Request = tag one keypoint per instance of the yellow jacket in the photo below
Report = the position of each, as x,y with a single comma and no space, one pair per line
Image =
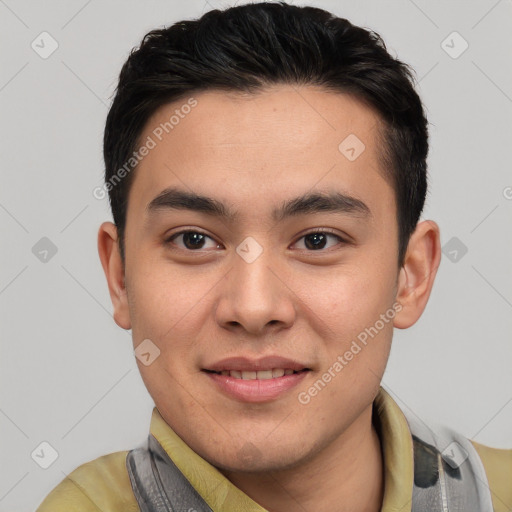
103,484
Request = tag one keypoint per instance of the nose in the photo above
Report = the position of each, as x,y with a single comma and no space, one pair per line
255,297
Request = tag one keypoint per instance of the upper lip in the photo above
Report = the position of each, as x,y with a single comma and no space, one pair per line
264,363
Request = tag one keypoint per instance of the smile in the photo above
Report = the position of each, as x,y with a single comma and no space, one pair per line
257,375
256,386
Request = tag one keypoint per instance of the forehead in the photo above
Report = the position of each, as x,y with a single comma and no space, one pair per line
280,116
259,147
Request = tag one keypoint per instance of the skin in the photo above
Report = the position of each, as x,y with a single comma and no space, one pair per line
252,152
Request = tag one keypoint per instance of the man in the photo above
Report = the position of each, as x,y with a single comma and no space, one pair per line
266,167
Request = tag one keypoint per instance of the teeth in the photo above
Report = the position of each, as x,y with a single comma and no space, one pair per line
259,375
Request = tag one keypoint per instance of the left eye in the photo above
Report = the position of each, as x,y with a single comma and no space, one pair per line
193,240
318,239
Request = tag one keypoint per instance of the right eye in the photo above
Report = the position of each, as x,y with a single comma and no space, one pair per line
191,240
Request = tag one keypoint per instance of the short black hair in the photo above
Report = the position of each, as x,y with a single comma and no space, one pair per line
249,47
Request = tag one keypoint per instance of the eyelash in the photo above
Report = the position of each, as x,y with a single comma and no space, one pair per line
328,231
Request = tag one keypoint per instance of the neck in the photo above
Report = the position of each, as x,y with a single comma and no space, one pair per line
346,475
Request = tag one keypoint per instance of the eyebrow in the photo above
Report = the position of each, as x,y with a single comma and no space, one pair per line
309,203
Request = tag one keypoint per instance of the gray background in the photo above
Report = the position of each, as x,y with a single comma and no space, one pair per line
68,373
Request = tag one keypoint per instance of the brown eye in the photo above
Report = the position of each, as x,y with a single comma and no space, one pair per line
318,240
191,240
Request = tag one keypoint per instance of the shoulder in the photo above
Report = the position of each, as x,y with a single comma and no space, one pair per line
498,468
101,485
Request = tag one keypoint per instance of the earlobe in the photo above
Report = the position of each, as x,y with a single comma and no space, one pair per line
108,250
418,272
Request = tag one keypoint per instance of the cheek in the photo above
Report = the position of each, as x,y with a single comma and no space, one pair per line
349,297
158,299
350,304
173,308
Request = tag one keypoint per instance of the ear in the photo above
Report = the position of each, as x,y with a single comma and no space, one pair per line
417,274
108,249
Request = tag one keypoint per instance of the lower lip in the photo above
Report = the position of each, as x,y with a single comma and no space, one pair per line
255,390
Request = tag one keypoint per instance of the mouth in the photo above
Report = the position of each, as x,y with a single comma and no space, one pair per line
268,374
260,380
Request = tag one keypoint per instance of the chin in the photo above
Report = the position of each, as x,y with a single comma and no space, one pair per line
251,459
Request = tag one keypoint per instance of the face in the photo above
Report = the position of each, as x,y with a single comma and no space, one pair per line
278,292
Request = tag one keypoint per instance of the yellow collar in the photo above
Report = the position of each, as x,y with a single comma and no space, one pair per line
222,496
